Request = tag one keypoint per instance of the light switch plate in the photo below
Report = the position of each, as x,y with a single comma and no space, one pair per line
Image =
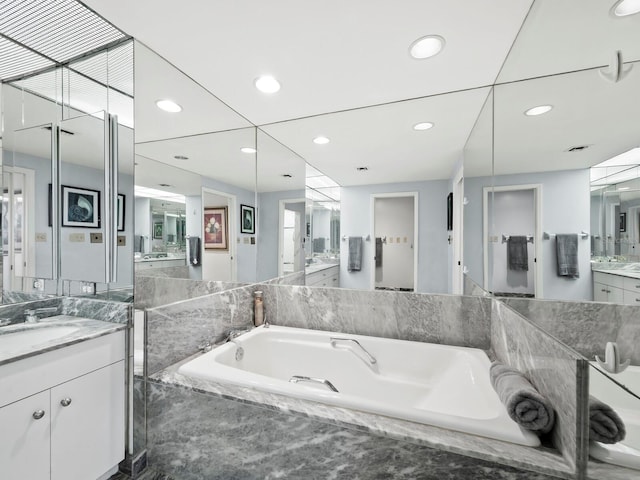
96,237
41,237
122,240
76,237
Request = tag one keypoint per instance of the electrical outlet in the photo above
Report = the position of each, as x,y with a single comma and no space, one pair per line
390,240
122,240
246,240
38,284
88,287
253,240
96,237
41,237
76,237
405,239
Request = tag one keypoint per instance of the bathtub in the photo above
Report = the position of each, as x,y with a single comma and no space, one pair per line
627,452
438,385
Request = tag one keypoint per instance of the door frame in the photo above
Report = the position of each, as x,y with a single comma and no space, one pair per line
231,223
537,236
457,266
372,237
281,208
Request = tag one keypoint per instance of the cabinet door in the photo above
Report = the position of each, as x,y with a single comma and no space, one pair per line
616,295
87,435
600,292
24,440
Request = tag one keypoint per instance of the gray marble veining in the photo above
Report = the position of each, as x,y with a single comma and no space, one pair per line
295,278
194,436
9,296
586,326
107,311
448,319
472,288
557,372
156,291
15,312
540,459
85,329
172,272
176,331
607,471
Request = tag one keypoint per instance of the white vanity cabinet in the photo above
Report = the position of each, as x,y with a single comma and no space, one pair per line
614,288
62,412
325,277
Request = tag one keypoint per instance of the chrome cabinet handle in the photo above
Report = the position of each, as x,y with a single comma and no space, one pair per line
603,290
65,402
38,414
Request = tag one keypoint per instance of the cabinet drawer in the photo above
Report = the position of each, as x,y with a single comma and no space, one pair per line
35,374
609,279
631,298
632,284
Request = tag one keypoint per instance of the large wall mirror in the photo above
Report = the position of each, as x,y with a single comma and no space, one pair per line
67,175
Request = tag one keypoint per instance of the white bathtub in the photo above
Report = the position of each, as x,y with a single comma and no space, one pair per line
627,452
437,385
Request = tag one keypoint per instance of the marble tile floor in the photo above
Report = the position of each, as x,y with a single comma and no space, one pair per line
147,475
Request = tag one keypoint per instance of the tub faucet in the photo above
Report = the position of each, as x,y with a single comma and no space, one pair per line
611,362
4,322
31,315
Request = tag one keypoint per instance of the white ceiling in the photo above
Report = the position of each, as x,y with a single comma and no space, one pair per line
331,56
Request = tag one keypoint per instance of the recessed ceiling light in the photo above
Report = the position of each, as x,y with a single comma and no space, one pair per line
539,110
423,126
426,47
181,157
623,8
248,150
168,106
321,140
267,84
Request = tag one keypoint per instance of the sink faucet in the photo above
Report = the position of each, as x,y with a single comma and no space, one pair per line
31,315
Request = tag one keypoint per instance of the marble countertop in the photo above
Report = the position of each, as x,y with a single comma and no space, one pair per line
69,330
160,259
619,271
317,267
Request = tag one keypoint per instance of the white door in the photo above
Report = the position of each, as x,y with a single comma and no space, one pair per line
394,242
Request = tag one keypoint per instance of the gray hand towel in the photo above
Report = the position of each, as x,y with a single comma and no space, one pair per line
355,254
378,252
194,251
524,404
567,255
605,425
517,255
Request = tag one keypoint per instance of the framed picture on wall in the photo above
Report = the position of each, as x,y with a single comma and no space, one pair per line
215,228
80,207
158,230
247,219
623,222
120,212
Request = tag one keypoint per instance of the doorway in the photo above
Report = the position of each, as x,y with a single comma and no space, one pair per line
291,254
220,264
512,211
394,241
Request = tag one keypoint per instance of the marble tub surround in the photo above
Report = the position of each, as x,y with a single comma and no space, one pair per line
194,433
557,372
9,296
586,327
472,288
74,330
434,318
606,471
177,330
153,291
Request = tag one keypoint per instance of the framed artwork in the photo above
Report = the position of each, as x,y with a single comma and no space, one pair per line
121,212
158,230
623,222
247,219
80,207
215,228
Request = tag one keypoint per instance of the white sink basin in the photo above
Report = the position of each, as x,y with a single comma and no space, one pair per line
14,342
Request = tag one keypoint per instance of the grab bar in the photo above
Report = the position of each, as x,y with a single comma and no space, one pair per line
322,381
333,341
